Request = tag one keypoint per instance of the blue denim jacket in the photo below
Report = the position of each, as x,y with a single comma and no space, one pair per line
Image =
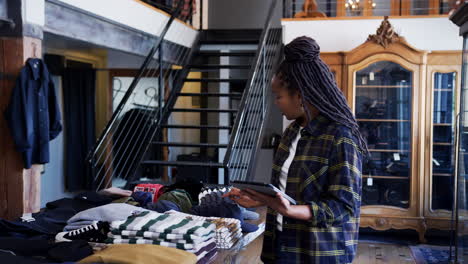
33,114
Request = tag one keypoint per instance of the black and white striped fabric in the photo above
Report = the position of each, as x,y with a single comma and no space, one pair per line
181,231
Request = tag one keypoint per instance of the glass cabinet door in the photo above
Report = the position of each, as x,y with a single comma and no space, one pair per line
383,110
461,214
443,140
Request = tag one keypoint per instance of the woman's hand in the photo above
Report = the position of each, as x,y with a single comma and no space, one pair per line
242,198
282,205
277,203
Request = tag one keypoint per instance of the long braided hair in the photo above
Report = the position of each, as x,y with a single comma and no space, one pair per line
302,70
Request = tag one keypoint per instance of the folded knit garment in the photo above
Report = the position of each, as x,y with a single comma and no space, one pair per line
192,248
104,213
205,252
175,238
165,223
227,232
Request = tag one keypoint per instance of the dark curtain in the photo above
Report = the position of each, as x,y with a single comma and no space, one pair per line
79,87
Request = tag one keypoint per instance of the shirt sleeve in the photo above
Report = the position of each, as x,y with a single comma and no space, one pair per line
16,115
342,198
55,126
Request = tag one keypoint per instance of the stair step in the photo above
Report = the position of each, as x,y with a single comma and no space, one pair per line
212,94
241,33
226,54
214,110
218,66
196,127
215,80
229,41
183,163
194,145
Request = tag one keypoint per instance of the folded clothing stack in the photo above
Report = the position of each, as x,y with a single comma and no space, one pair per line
228,230
214,195
179,231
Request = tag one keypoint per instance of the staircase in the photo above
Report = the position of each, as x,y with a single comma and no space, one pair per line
226,77
223,62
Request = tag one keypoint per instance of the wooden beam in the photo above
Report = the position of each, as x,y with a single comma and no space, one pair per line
405,8
340,8
395,8
84,26
361,18
368,11
11,170
434,7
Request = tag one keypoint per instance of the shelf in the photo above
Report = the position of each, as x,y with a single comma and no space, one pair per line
382,120
442,174
386,177
384,86
442,124
442,144
443,90
388,150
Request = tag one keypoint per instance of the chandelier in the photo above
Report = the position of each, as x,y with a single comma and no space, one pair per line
355,7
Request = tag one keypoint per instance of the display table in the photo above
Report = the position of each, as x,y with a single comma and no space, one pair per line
249,248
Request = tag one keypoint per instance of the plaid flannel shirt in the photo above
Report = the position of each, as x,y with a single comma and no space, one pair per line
326,175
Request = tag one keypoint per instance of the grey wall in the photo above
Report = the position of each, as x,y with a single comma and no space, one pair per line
274,125
3,9
244,14
53,178
119,59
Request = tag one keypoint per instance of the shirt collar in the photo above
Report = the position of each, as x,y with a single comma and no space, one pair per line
36,67
313,127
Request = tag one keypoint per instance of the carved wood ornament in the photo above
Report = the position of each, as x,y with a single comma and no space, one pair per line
385,34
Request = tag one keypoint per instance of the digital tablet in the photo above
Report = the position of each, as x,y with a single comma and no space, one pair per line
268,189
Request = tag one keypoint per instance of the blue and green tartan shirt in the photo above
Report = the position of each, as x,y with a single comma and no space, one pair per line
326,175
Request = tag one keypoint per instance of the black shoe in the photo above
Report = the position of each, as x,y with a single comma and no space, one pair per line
96,232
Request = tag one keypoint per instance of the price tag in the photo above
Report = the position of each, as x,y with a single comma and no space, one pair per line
364,80
396,156
389,165
370,181
371,76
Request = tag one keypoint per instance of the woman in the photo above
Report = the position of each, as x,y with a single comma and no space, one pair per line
318,162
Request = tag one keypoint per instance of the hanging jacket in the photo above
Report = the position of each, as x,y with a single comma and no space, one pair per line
33,114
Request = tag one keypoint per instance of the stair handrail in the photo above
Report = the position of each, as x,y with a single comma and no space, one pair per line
102,146
260,53
135,81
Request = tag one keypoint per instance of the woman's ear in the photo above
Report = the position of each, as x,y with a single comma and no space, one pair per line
298,97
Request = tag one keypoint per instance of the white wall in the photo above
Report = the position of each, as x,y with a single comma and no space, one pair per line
33,12
137,15
345,35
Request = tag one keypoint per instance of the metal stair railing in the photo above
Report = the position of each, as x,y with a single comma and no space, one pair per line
134,123
246,135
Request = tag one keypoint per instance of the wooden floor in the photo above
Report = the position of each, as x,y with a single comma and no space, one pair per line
368,253
383,253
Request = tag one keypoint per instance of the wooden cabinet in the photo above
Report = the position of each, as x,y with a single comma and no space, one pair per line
442,106
404,100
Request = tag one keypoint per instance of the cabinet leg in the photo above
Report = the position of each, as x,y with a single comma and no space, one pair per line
422,233
422,238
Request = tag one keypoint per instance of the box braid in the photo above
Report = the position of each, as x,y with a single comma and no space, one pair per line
302,70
